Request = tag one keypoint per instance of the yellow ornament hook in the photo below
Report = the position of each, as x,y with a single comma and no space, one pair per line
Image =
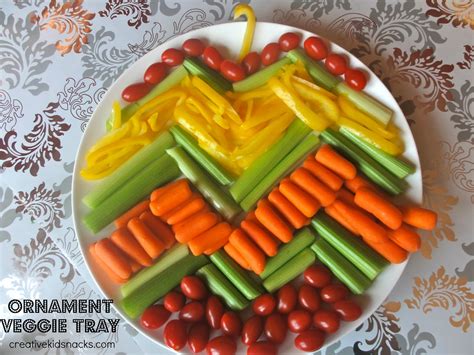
247,11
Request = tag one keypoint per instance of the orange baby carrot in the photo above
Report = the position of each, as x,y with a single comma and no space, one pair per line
134,265
261,237
209,238
419,217
159,229
406,238
171,198
354,184
113,258
186,210
251,216
161,190
248,250
150,242
192,226
270,219
306,203
384,210
333,181
336,162
135,211
389,250
304,179
110,273
218,245
287,209
126,242
235,254
346,196
332,211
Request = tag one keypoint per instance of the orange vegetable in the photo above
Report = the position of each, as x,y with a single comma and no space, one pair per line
270,219
186,210
161,190
287,209
125,241
134,265
171,198
356,183
219,244
304,179
210,238
251,216
248,250
150,242
419,217
307,204
191,227
346,196
333,181
261,237
336,162
237,256
389,250
135,211
159,228
108,253
338,217
406,238
110,273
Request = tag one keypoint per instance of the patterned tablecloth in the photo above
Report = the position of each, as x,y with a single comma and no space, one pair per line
58,57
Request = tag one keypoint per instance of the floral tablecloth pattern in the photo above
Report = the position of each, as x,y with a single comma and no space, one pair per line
58,57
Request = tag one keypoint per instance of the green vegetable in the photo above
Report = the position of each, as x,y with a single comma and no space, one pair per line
319,74
171,257
202,157
352,248
374,171
221,201
210,76
347,273
159,172
260,77
147,294
268,160
129,169
399,168
287,164
303,239
291,270
238,276
220,286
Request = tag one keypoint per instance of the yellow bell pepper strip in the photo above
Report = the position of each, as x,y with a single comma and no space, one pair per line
153,105
247,11
200,107
117,115
264,114
299,82
320,102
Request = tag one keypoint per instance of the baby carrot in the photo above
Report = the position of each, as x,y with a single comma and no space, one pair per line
419,217
307,204
322,173
304,179
260,236
356,183
406,238
336,162
218,245
380,207
251,216
236,255
209,238
134,265
286,208
346,196
110,273
135,211
248,250
270,219
186,210
108,253
171,198
192,226
125,241
389,250
159,228
332,211
151,243
161,190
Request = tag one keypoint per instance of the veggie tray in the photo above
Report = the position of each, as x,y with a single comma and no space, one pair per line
247,187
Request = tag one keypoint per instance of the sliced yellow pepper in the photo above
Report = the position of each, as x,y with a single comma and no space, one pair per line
247,11
117,114
297,81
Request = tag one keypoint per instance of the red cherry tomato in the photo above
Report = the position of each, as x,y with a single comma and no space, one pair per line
326,320
231,323
299,321
317,276
193,47
333,293
355,79
155,73
174,301
264,304
221,345
154,317
252,329
287,298
232,71
214,311
308,298
315,48
348,310
336,64
251,62
198,337
192,312
262,348
135,92
310,340
289,41
193,288
172,57
275,328
212,58
175,334
270,53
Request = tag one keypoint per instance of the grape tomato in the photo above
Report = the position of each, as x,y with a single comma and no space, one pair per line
154,317
348,310
135,92
212,58
275,328
251,62
264,304
192,312
221,345
193,47
252,329
198,337
317,276
231,323
355,79
308,298
155,73
287,298
193,288
174,301
175,334
326,320
262,348
214,311
270,53
232,71
336,64
315,48
310,340
172,57
289,41
333,293
299,320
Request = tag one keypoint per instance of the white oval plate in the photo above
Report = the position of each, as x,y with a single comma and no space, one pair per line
228,38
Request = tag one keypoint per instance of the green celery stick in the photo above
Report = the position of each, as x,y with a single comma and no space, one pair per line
210,76
287,164
300,241
144,296
159,172
261,77
289,271
347,273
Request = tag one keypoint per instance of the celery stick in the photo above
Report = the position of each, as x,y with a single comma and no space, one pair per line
238,276
303,239
287,164
220,286
347,273
260,77
268,160
172,256
398,167
147,294
201,156
159,172
352,248
374,171
205,184
210,76
319,74
289,271
129,169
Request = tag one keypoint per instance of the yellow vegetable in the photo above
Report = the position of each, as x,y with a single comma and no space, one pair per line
247,11
117,114
297,81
